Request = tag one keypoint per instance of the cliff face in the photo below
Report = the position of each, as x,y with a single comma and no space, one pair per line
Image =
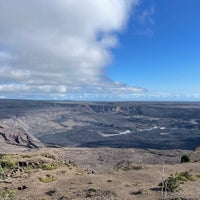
17,136
95,124
10,108
162,110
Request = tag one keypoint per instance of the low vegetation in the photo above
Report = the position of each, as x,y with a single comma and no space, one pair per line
47,179
6,161
126,165
7,194
15,165
48,155
6,165
172,183
47,166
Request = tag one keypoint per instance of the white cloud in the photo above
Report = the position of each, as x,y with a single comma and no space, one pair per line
144,21
146,17
60,47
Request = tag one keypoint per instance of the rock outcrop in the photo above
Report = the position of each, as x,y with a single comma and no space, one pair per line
20,137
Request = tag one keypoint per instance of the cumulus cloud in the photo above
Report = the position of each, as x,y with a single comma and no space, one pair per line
60,48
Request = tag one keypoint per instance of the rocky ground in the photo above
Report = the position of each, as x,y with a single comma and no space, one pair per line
101,173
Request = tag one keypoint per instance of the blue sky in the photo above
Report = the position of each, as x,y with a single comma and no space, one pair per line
161,53
107,50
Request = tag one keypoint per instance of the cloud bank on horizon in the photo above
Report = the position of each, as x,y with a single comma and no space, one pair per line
60,49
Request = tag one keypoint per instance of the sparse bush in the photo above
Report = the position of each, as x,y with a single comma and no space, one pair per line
47,179
185,158
6,162
185,176
6,165
127,165
48,155
172,183
42,165
7,194
198,175
2,173
48,166
26,156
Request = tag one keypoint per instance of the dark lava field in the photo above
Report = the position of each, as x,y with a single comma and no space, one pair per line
154,125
